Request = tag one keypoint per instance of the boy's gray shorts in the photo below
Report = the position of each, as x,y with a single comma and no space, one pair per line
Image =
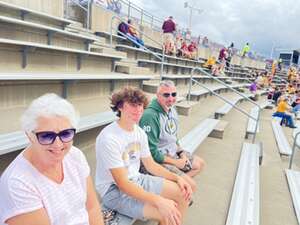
124,204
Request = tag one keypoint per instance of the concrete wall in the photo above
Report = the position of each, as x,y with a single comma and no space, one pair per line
50,61
101,19
88,97
52,7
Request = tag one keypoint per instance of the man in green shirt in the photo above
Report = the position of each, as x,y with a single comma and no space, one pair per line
160,122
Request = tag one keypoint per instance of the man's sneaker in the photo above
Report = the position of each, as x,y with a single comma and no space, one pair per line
293,126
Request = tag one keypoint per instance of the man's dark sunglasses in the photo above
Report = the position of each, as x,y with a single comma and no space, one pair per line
48,137
167,95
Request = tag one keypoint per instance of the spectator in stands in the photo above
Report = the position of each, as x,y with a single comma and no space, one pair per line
178,44
296,108
222,59
133,33
279,64
229,55
49,182
278,92
193,50
205,42
169,27
217,69
253,90
123,29
120,148
222,55
273,69
160,121
210,62
260,80
291,89
245,50
281,112
185,51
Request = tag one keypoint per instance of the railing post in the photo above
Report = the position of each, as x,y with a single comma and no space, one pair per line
293,150
190,85
111,28
162,64
151,22
89,4
256,125
142,14
129,6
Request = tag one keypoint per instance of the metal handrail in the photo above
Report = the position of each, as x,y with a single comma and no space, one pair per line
224,99
87,10
293,150
142,11
162,58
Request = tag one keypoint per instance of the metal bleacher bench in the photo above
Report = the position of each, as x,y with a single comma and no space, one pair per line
244,205
251,122
50,30
145,61
80,53
293,178
25,11
227,107
14,141
195,137
71,76
254,113
281,140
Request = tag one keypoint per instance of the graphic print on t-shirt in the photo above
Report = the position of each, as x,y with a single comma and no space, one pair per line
131,153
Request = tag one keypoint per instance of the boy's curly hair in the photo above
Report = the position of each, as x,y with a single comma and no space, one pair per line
130,95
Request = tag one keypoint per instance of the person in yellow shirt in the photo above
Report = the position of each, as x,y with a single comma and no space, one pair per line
281,112
210,62
274,65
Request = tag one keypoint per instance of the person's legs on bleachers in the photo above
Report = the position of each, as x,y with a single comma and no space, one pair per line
170,191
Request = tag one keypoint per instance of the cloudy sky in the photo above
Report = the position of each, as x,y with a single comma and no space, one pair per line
262,23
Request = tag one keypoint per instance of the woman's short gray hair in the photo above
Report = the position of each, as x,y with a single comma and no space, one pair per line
48,105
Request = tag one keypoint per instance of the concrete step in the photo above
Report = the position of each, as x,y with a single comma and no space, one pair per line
132,69
96,48
78,29
218,131
76,24
150,87
127,62
185,108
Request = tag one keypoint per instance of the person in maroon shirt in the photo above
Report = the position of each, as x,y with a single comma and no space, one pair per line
193,50
169,27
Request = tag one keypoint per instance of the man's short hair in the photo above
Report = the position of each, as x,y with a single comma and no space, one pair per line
166,83
130,95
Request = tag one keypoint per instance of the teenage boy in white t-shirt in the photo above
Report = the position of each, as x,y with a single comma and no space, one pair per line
120,147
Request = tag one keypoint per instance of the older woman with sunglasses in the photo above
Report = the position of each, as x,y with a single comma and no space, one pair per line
49,182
